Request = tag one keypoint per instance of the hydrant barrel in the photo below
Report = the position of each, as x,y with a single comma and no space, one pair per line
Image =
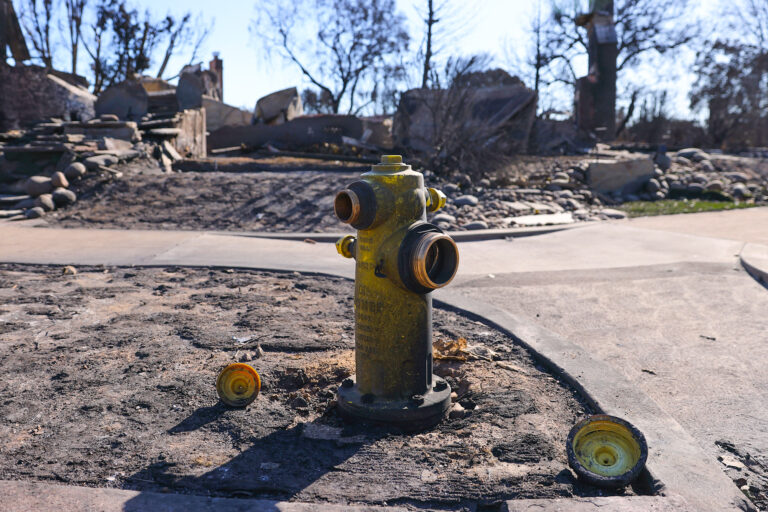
400,260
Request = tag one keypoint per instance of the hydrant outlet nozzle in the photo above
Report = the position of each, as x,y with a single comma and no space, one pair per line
435,199
346,246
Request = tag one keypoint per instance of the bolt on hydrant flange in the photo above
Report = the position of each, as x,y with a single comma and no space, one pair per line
400,260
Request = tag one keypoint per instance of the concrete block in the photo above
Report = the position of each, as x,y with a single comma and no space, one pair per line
625,176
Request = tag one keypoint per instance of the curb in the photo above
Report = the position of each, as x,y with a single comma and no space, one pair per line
458,236
19,496
754,259
674,457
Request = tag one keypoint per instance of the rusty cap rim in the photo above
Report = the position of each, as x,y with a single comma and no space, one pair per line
347,207
435,260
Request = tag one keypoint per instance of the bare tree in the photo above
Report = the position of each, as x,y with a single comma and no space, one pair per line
732,78
642,26
341,46
74,10
446,22
37,19
121,42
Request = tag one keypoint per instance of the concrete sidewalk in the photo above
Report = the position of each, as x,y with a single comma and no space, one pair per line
663,328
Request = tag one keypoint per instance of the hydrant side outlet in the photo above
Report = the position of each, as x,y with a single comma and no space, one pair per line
400,259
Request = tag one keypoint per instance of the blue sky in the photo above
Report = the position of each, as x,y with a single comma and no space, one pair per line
495,27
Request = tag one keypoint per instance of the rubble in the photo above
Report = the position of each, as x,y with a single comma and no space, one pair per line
300,132
278,107
32,94
499,118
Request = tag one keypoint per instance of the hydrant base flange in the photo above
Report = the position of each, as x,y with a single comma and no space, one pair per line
412,414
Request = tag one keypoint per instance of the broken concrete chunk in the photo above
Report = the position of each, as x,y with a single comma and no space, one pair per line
624,176
38,185
278,107
112,144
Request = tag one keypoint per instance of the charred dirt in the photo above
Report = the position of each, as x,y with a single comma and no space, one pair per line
108,381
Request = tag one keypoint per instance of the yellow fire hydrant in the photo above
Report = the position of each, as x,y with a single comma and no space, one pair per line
400,260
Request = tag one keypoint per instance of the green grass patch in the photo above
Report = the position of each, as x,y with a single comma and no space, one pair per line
674,206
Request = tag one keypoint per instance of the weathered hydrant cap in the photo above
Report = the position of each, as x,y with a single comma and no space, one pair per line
606,451
238,384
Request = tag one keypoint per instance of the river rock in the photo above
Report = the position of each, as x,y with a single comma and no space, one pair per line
707,165
38,185
694,154
63,197
444,217
34,213
736,176
24,204
59,180
715,186
466,200
652,186
478,224
94,162
75,170
694,189
740,191
45,201
663,161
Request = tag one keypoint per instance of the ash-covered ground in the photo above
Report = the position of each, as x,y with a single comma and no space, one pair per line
108,381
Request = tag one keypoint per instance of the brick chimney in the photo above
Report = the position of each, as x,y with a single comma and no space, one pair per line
217,66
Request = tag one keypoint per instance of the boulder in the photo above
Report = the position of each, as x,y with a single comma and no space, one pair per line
45,201
38,185
63,197
59,180
694,189
75,170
